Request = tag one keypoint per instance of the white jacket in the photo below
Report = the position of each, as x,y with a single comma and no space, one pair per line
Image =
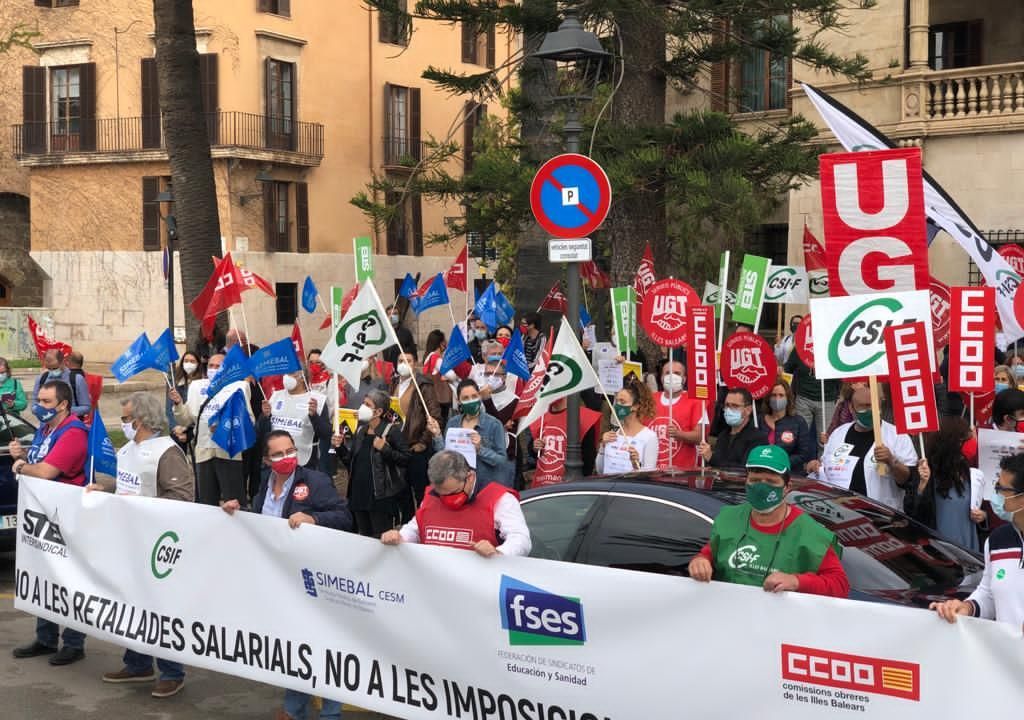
882,489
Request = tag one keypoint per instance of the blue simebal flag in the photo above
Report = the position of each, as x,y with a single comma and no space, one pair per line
234,368
278,358
163,352
133,360
309,295
408,286
486,308
514,357
505,312
585,318
102,457
434,295
233,428
456,353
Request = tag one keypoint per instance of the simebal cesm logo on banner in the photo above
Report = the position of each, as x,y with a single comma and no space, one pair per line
534,616
848,331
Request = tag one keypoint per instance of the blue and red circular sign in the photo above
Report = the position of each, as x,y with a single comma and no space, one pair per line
570,196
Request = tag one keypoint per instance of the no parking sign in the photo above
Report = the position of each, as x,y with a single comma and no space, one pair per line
570,196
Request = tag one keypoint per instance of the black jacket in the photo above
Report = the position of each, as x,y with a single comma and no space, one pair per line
801,445
387,465
320,499
731,450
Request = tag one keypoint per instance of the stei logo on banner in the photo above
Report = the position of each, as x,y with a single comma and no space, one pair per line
534,616
43,534
848,331
165,555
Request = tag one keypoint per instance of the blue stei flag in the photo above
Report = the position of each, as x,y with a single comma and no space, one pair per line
408,287
275,359
309,295
456,353
102,457
584,317
434,295
163,351
133,360
234,368
233,429
486,308
504,310
515,357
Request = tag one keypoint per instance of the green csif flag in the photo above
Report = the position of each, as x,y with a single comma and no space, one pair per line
624,314
750,290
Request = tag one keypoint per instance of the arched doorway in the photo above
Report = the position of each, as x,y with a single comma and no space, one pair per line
5,292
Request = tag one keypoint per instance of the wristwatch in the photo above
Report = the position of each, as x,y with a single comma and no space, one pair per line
18,465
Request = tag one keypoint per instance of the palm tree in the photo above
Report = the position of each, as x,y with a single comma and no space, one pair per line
188,149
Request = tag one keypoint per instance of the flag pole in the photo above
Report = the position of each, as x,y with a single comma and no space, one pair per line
401,350
248,346
723,287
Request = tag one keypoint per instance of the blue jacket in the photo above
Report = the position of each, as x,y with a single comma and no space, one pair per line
322,501
81,403
492,464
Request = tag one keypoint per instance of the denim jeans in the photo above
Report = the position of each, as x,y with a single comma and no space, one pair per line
138,663
47,634
295,703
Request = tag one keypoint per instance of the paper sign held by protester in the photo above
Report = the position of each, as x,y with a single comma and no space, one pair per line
609,372
993,446
461,441
348,418
617,458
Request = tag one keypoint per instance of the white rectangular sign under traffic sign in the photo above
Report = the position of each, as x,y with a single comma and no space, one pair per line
569,250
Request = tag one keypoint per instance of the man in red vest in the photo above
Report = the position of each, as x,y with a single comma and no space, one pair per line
458,512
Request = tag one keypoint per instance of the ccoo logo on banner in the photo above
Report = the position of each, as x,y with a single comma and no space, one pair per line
700,354
910,379
848,332
972,339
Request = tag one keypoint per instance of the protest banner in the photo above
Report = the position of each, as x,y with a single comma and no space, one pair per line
366,623
847,331
750,291
748,361
624,316
701,378
938,293
910,379
874,220
972,339
665,312
786,284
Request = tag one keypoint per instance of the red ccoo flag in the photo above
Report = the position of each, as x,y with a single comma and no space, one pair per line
814,253
455,276
645,276
221,292
300,350
555,301
44,343
594,276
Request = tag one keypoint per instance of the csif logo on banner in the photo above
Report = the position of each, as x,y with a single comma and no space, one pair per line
43,534
165,555
534,616
359,333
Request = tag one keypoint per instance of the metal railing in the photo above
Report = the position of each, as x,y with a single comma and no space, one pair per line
113,135
402,151
975,91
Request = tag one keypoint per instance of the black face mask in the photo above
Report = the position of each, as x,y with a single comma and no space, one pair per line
794,328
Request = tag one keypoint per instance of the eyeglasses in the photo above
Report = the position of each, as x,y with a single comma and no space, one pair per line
277,457
1003,489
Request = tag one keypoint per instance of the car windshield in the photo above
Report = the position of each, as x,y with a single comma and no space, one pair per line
12,427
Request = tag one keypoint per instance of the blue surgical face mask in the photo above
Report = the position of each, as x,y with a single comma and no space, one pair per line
60,373
1018,370
1002,386
43,414
480,334
999,507
733,417
3,378
494,359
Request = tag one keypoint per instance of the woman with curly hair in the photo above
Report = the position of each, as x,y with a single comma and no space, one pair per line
634,446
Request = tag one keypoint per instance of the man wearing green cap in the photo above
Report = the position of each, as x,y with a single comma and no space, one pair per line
768,542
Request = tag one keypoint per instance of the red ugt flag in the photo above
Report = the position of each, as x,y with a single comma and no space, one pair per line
555,300
594,276
43,343
644,275
455,276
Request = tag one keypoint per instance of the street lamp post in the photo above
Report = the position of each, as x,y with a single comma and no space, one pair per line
163,198
572,59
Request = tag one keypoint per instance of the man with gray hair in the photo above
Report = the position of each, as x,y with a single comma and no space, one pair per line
459,512
151,464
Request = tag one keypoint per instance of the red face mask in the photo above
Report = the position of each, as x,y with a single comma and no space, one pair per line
504,341
285,466
1020,426
455,501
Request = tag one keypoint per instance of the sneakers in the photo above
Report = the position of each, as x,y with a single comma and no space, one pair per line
124,675
167,688
66,656
33,649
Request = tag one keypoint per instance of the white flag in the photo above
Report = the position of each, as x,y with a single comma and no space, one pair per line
712,297
786,284
362,333
568,372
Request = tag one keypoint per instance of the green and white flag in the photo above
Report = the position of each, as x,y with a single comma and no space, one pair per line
750,290
362,248
364,331
712,297
624,314
786,284
567,373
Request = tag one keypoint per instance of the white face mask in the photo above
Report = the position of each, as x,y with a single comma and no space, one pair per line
364,366
673,383
404,370
364,413
211,372
189,367
290,382
128,429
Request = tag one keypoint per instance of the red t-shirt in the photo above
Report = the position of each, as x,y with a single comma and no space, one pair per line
69,453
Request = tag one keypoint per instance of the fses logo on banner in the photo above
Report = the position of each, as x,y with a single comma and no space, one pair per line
665,313
972,339
874,219
848,331
786,284
910,378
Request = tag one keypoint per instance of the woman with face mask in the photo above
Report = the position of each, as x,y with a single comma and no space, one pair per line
676,420
486,434
376,459
1004,378
301,413
787,429
12,394
188,370
1000,595
634,446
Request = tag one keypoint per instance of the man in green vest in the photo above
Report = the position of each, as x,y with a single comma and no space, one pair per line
769,543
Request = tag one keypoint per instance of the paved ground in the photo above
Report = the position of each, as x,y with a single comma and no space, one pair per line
33,690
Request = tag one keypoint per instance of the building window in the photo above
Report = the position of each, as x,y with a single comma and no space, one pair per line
56,3
276,7
65,107
474,114
955,45
772,242
764,78
280,98
287,302
154,231
405,228
286,209
59,108
402,125
395,26
477,45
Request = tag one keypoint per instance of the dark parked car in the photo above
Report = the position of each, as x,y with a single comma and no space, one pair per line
23,431
657,522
